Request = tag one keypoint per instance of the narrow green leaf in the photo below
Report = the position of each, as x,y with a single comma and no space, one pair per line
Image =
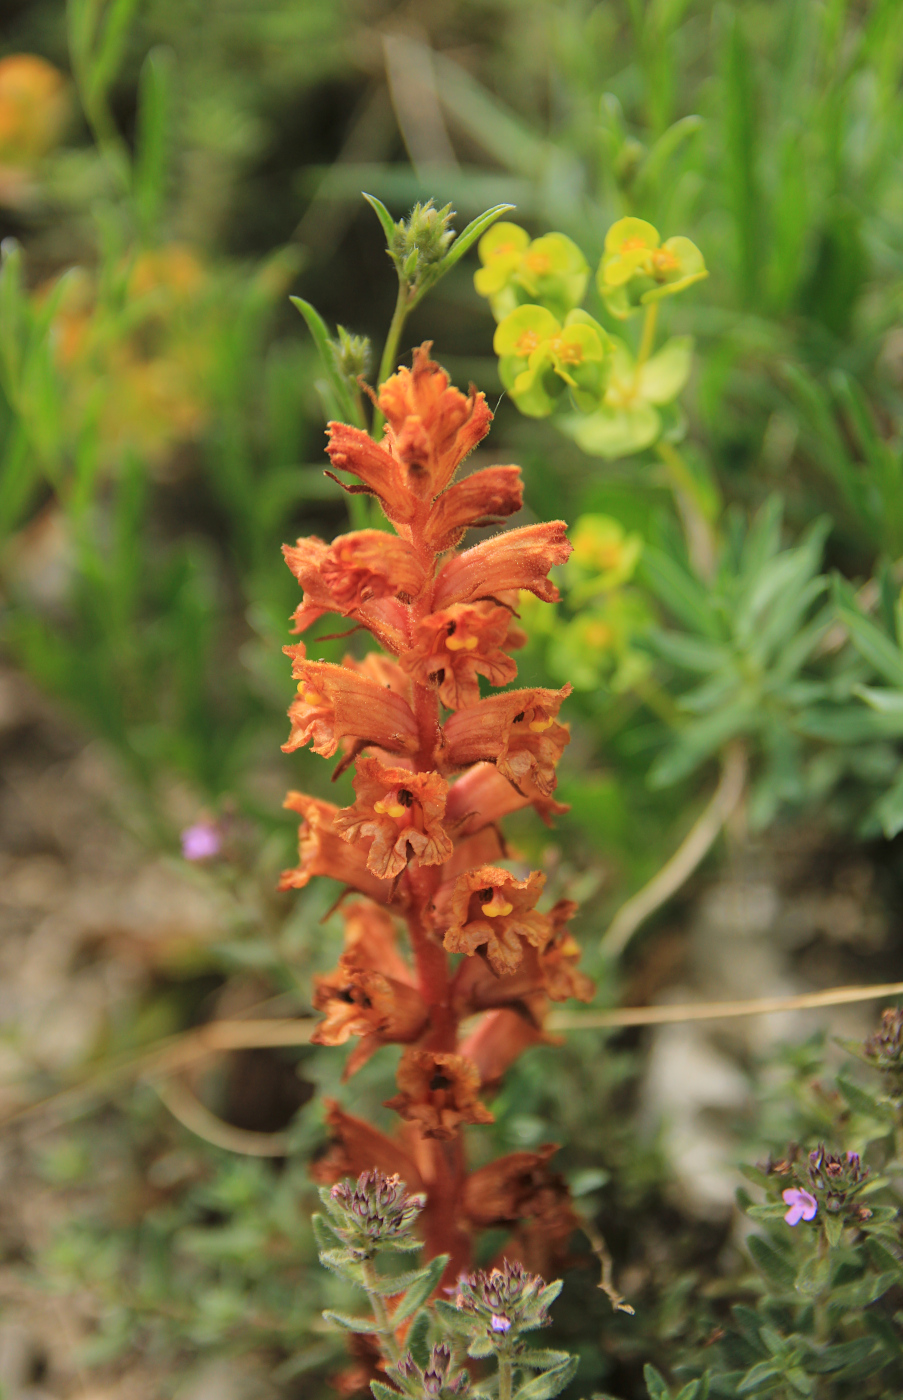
452,1317
682,594
418,1339
105,62
152,145
862,1101
833,1228
385,218
542,1358
700,741
655,1383
549,1383
383,1391
874,645
468,236
317,327
776,1267
420,1289
351,1324
758,1376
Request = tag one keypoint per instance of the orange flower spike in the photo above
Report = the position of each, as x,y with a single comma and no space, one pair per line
562,979
511,1188
518,730
356,1147
483,498
452,648
323,852
361,1001
500,1038
355,569
370,939
490,906
518,559
335,703
482,796
438,1093
403,814
353,450
432,426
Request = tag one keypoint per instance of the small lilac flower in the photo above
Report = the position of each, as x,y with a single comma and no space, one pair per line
201,841
500,1324
802,1206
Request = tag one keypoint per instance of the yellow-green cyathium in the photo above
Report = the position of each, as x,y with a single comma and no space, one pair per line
637,269
550,271
539,357
629,417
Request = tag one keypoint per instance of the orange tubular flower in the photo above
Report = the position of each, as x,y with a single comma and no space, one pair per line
489,906
482,796
403,814
501,1038
360,1002
432,427
371,939
323,852
512,1188
452,648
335,702
438,1093
355,570
481,499
356,1147
517,731
519,559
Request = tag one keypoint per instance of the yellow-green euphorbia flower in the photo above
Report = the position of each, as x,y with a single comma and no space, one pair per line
628,419
637,268
538,358
598,645
604,556
550,271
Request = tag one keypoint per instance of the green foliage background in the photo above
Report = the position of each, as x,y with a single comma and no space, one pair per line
770,134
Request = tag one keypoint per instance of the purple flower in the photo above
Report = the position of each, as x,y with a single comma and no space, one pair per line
802,1206
201,841
500,1324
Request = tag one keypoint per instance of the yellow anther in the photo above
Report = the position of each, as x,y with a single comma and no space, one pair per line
540,725
461,643
663,260
633,245
389,809
494,910
309,695
527,343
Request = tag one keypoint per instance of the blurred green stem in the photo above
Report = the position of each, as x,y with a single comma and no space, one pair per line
505,1369
701,542
380,1311
647,340
390,349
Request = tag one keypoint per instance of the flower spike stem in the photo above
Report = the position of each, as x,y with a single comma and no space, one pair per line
390,349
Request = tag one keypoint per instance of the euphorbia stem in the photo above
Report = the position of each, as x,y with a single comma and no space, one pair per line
647,340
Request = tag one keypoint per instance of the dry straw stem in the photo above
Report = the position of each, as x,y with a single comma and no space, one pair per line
158,1065
694,847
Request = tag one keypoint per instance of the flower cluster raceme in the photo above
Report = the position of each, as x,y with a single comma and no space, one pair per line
506,1299
829,1185
883,1050
437,765
375,1213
